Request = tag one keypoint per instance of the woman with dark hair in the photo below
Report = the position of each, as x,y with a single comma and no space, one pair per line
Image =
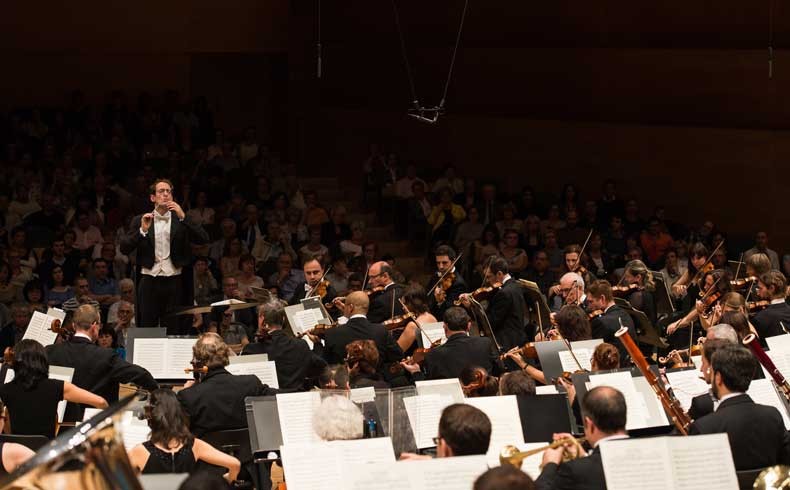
475,382
32,398
362,359
108,338
415,299
33,292
58,292
715,282
172,448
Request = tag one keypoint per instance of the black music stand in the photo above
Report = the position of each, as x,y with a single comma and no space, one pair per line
548,353
544,415
646,331
539,311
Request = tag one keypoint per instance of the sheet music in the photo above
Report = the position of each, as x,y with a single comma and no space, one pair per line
662,463
266,371
569,364
546,390
686,385
443,473
531,465
164,358
9,376
434,331
505,423
697,360
779,353
39,329
57,313
363,395
89,413
762,391
424,412
296,416
637,408
779,342
64,374
306,319
133,430
448,388
341,460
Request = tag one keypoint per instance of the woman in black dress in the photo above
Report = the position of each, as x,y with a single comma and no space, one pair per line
171,447
32,398
11,454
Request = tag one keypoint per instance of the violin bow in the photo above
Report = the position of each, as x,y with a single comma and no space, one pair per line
575,359
365,279
489,332
710,257
485,270
449,269
414,319
738,269
540,320
312,289
589,235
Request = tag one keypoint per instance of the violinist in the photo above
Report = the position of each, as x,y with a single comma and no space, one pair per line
715,284
687,286
506,308
384,305
362,359
293,359
775,319
415,300
604,325
570,290
641,297
315,284
733,308
459,351
573,260
450,283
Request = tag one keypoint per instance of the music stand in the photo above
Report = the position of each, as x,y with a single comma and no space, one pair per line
646,331
142,333
548,353
544,415
664,304
539,311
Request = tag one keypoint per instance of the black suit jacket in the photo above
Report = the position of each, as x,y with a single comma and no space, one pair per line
458,287
460,351
182,233
701,405
606,325
757,434
767,321
217,402
381,305
292,357
506,311
578,474
300,294
96,369
334,350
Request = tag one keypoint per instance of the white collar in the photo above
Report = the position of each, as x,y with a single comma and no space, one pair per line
358,315
728,396
388,285
506,279
777,301
440,273
611,438
83,335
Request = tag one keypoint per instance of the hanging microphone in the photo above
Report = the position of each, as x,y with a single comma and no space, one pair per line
426,114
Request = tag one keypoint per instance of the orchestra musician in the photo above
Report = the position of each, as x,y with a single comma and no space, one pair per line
293,359
415,300
713,282
604,412
571,290
448,290
459,351
641,297
756,432
12,454
314,284
385,304
464,430
96,369
687,285
506,308
775,319
702,405
573,260
611,317
162,240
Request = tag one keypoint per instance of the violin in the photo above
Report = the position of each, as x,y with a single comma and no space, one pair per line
482,293
710,301
676,357
398,322
742,283
318,330
702,271
320,288
753,306
445,284
626,289
595,314
8,356
567,376
527,351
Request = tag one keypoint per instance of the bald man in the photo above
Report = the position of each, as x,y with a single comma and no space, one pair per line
358,327
384,305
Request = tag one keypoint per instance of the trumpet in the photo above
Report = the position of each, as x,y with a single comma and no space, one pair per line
510,455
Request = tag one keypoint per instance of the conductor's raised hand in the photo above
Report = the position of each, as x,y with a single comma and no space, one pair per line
174,207
145,221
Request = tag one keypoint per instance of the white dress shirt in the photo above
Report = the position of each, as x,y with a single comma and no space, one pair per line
163,266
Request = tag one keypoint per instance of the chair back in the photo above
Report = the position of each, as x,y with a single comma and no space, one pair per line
33,443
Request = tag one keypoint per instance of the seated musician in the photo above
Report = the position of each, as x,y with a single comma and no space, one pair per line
504,478
641,297
570,290
698,257
459,351
605,357
293,359
604,413
172,448
610,318
733,306
414,297
362,359
703,404
464,430
32,398
338,419
573,263
217,401
516,383
476,381
385,304
12,455
775,319
95,368
355,308
313,274
711,282
572,325
756,432
442,298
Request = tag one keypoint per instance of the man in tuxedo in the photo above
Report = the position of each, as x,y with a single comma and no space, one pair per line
441,299
506,308
96,369
459,351
703,404
358,327
313,273
384,305
464,430
292,357
217,402
775,319
756,432
611,318
161,253
604,416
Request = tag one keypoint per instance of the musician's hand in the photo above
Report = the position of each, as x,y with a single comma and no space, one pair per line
679,290
174,207
552,456
672,327
145,221
571,448
716,315
464,299
439,295
517,358
699,306
568,388
413,457
313,338
189,383
554,290
553,334
412,368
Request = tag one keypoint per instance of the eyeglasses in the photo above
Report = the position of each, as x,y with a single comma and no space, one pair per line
436,440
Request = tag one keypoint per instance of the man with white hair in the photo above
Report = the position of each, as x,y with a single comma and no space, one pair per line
570,290
722,331
338,419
